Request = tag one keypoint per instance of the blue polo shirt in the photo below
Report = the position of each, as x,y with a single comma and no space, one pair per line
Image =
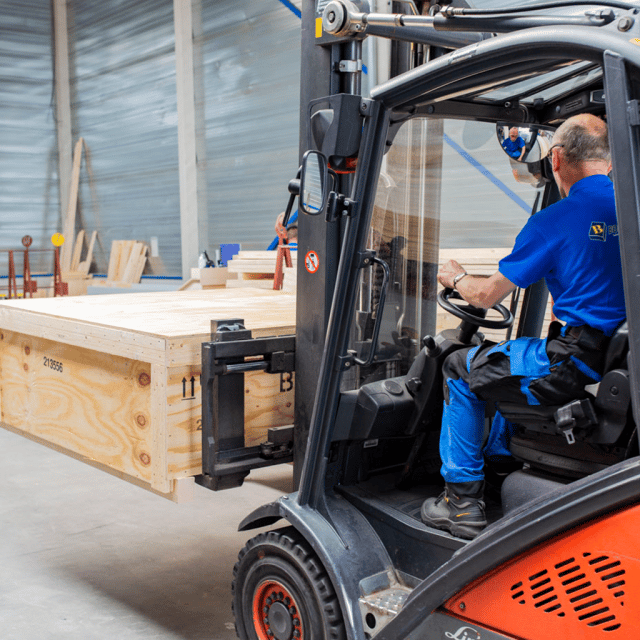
513,147
574,246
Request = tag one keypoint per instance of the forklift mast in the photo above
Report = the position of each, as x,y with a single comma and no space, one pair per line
332,66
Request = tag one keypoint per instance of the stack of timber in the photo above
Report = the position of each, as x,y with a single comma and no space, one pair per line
115,380
126,263
256,269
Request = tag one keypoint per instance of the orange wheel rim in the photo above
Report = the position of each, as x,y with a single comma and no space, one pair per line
276,615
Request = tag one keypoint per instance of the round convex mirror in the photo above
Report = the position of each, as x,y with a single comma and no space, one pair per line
524,144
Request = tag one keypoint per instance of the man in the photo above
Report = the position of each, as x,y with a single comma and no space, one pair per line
514,144
288,235
573,244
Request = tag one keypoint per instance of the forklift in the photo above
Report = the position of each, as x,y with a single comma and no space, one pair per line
350,557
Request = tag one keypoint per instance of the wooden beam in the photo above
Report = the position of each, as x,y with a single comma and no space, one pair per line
69,222
85,265
191,216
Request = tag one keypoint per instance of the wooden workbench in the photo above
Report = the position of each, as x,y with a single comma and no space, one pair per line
114,380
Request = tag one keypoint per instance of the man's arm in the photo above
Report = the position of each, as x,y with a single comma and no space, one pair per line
479,291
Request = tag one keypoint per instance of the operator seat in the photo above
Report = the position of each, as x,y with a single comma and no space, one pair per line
576,439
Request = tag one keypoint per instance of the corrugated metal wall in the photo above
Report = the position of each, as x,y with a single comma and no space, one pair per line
124,105
29,201
251,71
123,76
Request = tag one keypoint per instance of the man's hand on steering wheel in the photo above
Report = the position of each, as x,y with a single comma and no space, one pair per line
449,272
479,292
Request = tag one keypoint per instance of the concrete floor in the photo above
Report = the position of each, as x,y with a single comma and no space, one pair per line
86,556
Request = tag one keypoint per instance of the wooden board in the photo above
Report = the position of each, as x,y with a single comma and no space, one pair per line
85,265
68,229
115,380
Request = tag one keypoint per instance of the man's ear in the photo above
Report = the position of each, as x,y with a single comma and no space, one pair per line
555,161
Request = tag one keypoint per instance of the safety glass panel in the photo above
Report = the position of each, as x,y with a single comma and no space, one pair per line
446,190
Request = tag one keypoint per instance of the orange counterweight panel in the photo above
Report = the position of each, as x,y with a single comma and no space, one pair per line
583,584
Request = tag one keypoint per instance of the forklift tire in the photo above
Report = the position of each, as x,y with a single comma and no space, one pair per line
282,592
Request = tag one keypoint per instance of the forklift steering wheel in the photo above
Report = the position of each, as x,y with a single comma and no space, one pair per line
473,315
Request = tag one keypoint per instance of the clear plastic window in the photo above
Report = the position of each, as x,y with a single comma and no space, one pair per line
446,190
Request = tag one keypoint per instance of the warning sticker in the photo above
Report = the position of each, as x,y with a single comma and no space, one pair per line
311,262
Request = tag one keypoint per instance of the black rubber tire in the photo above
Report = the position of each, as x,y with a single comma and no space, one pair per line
284,558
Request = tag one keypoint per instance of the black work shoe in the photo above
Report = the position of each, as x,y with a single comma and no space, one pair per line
458,510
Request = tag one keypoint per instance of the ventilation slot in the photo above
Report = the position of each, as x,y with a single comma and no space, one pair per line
517,593
587,588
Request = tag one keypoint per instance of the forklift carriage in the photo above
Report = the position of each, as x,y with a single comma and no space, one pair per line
560,556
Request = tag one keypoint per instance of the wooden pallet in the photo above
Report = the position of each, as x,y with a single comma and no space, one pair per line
114,380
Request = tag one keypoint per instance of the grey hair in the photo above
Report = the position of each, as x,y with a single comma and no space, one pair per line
581,143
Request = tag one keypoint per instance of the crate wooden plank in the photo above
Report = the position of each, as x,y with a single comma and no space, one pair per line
158,315
115,380
262,283
257,255
255,266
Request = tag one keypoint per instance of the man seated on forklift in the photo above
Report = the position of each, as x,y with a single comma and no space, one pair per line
572,244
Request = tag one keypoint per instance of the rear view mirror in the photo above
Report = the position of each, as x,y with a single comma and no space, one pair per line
526,144
313,183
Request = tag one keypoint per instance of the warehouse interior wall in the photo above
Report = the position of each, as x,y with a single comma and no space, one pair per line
123,104
235,141
250,54
29,198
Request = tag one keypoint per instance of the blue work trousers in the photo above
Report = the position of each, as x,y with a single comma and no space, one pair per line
527,370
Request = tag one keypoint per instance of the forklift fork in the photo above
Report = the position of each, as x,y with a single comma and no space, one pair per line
226,462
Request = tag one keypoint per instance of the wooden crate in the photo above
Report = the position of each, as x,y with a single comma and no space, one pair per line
114,380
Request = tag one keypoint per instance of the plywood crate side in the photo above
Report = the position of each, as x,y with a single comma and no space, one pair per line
269,402
94,405
184,421
180,490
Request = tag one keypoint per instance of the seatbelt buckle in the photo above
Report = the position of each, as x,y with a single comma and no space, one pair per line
568,434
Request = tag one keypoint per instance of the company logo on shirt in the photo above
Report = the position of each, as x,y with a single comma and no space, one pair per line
598,231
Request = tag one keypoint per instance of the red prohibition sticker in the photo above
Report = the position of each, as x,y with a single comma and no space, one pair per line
311,262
